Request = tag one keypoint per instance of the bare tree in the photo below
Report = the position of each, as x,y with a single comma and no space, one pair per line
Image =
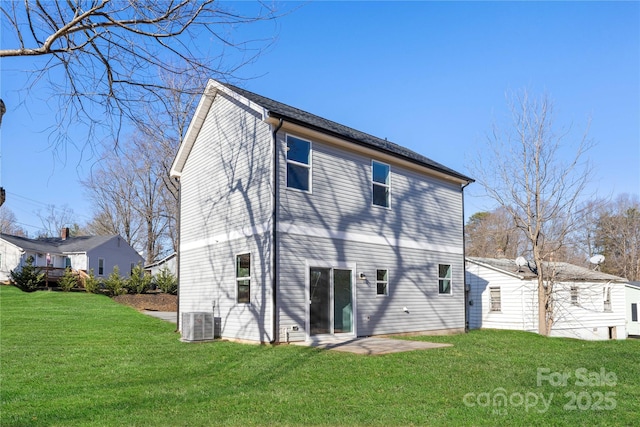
493,234
111,189
617,237
9,223
54,219
104,58
524,170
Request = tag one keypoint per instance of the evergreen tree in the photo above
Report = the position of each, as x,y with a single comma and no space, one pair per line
28,278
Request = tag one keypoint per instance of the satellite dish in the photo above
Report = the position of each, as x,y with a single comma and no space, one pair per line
521,262
597,259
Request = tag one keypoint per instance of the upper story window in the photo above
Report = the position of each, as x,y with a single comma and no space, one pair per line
381,181
444,278
298,163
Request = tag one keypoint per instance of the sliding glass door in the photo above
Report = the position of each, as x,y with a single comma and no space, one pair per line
330,301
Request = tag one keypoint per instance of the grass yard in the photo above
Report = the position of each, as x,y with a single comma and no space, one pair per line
74,359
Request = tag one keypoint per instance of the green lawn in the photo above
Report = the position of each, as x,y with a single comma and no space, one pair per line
74,359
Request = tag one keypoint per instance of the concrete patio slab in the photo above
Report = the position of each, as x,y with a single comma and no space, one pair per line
369,345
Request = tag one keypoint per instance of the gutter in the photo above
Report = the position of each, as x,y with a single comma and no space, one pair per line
464,263
274,236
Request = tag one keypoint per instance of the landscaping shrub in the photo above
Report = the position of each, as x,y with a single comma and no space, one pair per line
68,281
28,278
139,282
91,284
166,282
115,284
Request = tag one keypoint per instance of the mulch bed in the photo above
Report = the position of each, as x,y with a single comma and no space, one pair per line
152,302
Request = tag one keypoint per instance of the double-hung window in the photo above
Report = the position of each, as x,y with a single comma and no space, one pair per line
298,163
243,278
574,296
444,278
100,266
381,182
382,282
495,299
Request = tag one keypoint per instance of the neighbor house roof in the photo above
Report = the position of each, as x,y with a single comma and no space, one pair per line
291,114
564,271
57,244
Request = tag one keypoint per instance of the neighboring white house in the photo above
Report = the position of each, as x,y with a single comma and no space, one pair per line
100,253
293,227
589,304
632,291
169,262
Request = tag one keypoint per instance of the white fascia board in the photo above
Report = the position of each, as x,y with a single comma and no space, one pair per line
499,270
210,92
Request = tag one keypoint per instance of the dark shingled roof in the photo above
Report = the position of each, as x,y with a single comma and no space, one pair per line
56,244
564,271
282,111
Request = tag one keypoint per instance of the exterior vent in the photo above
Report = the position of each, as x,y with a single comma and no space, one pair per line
197,326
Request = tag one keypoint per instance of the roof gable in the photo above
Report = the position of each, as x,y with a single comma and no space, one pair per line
278,110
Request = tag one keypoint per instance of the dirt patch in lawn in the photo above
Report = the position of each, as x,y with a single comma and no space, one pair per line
153,302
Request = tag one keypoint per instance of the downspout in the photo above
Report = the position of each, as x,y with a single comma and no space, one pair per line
178,255
274,232
464,263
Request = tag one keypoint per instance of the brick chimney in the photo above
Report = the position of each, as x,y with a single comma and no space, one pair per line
65,233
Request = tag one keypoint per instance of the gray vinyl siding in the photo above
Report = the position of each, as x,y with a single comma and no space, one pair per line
422,207
425,216
226,211
208,284
413,283
115,252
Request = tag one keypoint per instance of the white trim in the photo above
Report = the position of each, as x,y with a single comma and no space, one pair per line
226,237
303,230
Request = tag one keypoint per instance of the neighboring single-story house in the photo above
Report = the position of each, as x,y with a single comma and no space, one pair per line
169,262
98,253
632,292
589,304
293,227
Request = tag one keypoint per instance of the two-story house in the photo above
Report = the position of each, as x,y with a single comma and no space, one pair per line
293,226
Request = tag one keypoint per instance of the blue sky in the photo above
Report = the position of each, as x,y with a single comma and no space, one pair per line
431,76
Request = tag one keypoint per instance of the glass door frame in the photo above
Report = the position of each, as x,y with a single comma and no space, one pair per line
309,264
